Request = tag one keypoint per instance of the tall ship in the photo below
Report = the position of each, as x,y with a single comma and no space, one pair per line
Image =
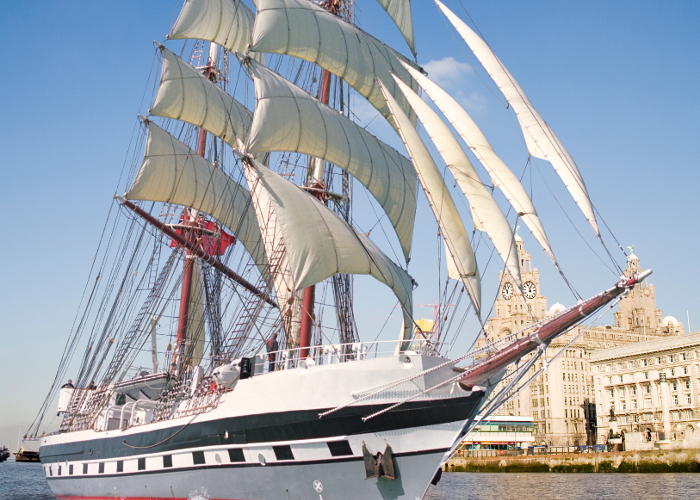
216,351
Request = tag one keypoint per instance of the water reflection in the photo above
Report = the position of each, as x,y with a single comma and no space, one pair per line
545,486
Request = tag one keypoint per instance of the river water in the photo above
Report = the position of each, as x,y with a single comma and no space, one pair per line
22,481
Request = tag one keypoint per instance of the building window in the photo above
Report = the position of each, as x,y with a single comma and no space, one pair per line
675,400
685,370
634,404
670,358
646,375
647,389
675,386
647,403
684,356
646,362
688,414
634,390
687,384
673,372
658,361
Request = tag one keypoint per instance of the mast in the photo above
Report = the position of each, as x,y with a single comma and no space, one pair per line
190,218
318,189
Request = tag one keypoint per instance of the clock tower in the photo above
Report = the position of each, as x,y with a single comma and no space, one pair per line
515,309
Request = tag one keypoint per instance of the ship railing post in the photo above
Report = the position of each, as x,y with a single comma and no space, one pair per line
356,351
286,359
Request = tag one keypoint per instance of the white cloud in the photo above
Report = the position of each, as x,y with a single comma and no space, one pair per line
457,78
448,71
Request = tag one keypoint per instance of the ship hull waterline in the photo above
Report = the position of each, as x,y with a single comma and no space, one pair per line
279,448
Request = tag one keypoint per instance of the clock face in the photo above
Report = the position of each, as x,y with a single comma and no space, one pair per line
530,290
508,291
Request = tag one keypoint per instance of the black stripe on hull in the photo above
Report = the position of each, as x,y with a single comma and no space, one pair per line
241,466
270,427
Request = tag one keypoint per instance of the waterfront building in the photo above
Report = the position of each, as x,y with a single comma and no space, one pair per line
653,390
499,432
561,401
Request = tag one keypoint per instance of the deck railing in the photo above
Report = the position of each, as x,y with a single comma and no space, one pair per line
327,354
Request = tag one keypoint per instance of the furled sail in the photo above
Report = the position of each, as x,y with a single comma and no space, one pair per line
501,175
228,23
400,12
485,210
185,94
289,119
301,29
194,344
461,262
172,173
539,137
320,244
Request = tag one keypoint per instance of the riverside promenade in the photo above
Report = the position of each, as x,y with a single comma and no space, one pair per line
625,461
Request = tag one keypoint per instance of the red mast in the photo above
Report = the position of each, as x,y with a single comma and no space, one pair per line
189,219
307,306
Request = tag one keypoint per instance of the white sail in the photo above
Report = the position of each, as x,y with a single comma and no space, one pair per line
228,23
288,298
400,12
172,173
487,215
320,244
289,119
461,262
195,335
501,175
185,94
539,137
301,29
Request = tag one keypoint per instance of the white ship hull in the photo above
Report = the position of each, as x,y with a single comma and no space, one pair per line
265,439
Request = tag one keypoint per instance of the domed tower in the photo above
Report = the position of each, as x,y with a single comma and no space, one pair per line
637,312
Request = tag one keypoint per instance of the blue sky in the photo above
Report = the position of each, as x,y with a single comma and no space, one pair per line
617,81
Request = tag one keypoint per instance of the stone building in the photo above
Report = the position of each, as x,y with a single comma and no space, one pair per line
562,400
653,390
